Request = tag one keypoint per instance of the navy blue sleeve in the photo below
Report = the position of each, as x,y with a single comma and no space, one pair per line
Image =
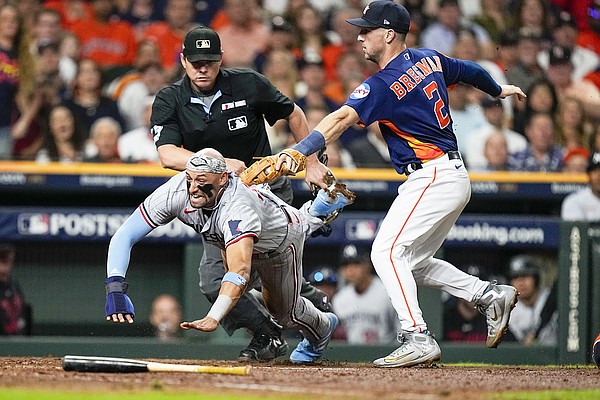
457,70
475,75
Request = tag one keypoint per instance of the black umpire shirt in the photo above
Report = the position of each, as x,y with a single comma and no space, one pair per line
234,125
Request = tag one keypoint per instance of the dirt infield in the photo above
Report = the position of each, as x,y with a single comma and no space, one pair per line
323,381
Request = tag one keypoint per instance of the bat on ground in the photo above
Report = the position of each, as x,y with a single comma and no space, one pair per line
125,365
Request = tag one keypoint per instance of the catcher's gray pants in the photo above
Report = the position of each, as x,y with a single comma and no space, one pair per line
281,275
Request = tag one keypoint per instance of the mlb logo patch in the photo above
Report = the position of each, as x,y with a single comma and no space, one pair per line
203,44
237,123
33,224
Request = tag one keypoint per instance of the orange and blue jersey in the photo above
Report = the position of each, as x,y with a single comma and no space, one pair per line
409,99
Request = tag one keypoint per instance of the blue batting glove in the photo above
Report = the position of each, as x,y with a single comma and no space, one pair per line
323,205
117,302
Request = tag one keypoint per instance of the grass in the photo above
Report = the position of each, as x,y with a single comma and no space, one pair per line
550,395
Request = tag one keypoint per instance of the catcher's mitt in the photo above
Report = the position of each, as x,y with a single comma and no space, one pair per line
263,170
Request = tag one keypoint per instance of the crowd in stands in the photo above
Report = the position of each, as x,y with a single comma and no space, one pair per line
77,78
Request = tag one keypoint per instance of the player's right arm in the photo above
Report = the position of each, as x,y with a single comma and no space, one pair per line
238,258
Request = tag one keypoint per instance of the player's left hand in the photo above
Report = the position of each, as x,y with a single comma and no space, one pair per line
206,324
509,90
316,173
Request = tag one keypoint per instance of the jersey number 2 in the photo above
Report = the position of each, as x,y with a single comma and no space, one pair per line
443,120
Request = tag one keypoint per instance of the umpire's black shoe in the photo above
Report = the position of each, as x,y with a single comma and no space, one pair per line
264,347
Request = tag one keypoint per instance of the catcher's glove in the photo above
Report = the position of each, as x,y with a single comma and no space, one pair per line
263,170
330,201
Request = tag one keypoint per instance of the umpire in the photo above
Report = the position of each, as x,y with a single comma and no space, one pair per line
226,109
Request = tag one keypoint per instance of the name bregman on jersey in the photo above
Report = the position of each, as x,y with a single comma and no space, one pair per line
415,74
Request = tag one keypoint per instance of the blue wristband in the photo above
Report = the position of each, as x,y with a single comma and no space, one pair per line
234,278
314,142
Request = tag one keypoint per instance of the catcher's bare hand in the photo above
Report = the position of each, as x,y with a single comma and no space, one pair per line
206,324
120,318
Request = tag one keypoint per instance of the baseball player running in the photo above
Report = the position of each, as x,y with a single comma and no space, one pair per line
409,99
259,235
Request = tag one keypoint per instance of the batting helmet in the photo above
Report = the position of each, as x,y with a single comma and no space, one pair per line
352,254
524,266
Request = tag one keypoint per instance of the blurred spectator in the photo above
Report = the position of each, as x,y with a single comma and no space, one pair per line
584,204
441,35
71,11
577,8
104,135
541,98
571,124
246,34
535,319
594,140
462,320
542,153
147,53
281,70
527,69
168,35
467,47
532,16
137,146
343,38
370,150
165,317
506,55
18,98
280,37
140,14
494,18
312,82
15,314
575,160
467,117
325,279
349,65
87,101
590,38
494,115
46,27
559,72
363,306
130,101
564,34
70,53
309,37
63,138
496,153
111,44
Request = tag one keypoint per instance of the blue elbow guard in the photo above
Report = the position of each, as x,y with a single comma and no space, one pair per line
117,302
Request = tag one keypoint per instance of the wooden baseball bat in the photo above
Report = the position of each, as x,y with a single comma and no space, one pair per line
125,365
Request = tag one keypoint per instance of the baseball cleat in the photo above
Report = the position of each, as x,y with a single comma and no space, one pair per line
496,303
307,352
596,352
415,348
264,347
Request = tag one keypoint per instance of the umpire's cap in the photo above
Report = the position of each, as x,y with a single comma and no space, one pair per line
383,14
202,44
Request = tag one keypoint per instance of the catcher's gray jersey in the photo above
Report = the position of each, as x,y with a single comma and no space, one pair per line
241,212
